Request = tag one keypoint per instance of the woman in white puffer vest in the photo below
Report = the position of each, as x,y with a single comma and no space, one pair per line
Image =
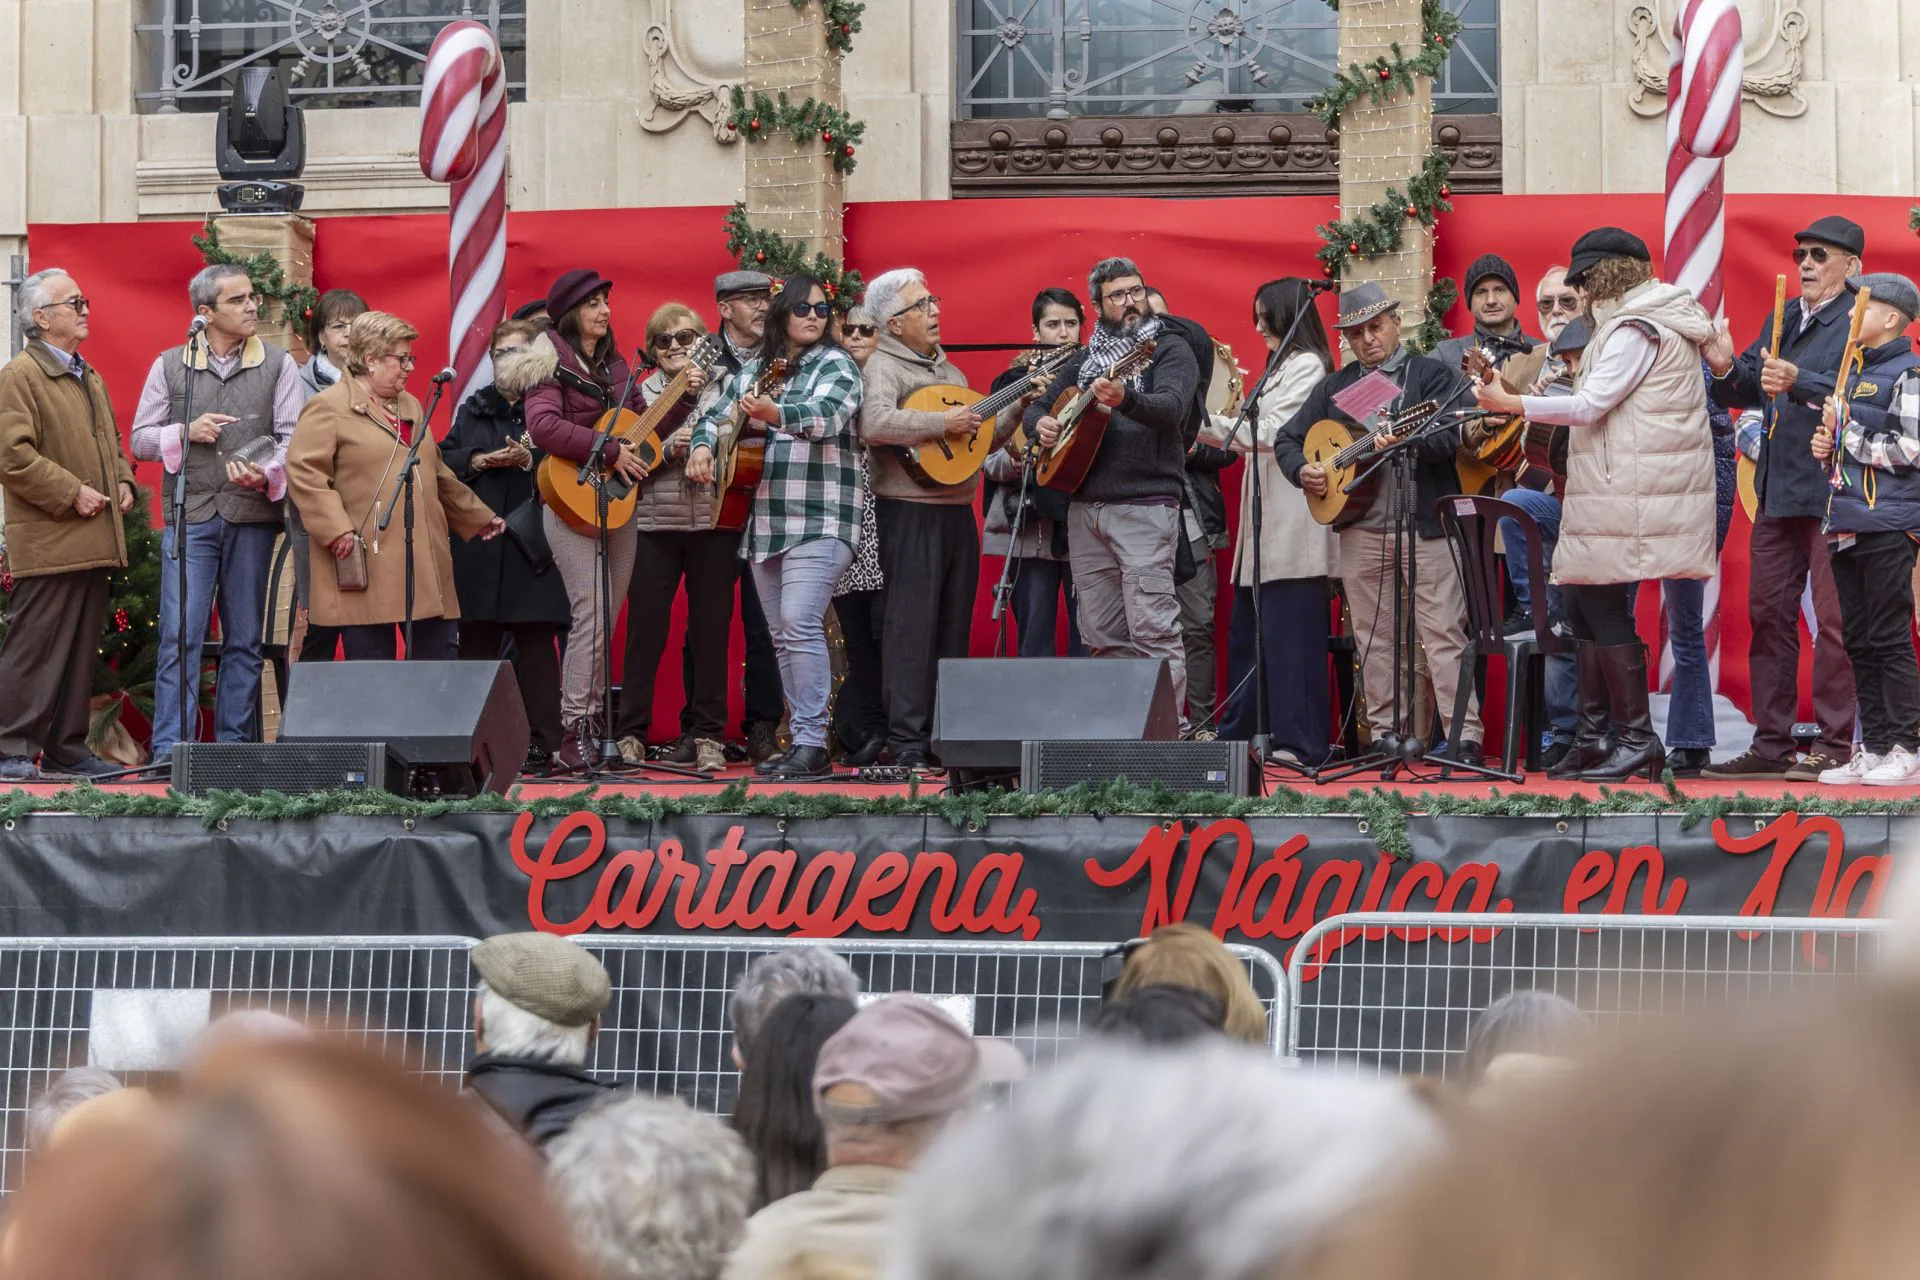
1639,496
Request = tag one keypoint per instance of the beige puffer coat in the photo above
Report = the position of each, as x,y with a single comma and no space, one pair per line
1639,499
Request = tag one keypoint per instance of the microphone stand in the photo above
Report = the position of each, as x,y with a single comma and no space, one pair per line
189,677
403,486
1003,589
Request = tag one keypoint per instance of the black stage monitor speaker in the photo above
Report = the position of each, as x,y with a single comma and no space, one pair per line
451,728
291,767
1219,767
987,707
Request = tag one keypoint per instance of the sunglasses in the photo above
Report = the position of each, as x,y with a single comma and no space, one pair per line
820,309
678,338
859,330
1568,302
1818,252
77,302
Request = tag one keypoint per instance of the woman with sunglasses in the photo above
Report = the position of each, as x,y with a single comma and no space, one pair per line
860,599
590,377
806,515
677,543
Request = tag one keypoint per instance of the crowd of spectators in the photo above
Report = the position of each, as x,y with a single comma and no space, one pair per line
874,1137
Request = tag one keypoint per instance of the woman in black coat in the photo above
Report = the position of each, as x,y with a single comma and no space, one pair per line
499,592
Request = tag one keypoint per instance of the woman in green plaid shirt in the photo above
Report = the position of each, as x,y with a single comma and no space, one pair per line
806,513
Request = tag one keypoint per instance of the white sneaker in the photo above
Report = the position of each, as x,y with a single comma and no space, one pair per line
1850,773
1898,768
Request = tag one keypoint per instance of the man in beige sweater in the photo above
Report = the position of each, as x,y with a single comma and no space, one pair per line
929,537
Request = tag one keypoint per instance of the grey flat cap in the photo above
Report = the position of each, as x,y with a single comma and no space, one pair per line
548,976
1893,289
1362,303
728,283
1574,337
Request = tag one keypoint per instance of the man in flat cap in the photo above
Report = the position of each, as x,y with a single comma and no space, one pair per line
535,1014
886,1084
1788,545
1491,291
1369,320
1872,424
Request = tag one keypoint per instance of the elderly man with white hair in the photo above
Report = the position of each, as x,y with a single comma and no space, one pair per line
772,978
929,536
535,1014
66,483
1203,1163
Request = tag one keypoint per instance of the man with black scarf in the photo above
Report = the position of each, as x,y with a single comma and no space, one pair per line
1123,523
1491,291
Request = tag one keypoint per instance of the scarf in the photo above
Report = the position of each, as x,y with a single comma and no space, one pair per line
1109,345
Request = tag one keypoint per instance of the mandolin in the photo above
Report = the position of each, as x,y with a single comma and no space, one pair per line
1083,424
573,500
950,460
742,457
1342,450
1497,446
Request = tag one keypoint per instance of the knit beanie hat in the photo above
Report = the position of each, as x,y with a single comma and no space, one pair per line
1490,264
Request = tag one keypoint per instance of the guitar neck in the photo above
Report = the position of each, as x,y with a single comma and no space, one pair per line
658,410
992,404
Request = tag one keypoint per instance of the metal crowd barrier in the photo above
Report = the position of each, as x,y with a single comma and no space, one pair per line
667,1031
1399,992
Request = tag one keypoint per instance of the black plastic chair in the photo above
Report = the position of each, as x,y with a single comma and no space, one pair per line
1472,525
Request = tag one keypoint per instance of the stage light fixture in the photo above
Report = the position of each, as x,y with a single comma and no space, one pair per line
262,141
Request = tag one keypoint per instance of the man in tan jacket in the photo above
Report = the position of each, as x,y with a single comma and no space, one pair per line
66,483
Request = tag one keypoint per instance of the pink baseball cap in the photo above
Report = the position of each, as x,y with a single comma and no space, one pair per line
915,1057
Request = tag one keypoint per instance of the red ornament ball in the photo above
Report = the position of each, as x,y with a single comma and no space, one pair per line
1412,212
1385,74
1354,247
754,124
760,255
826,136
829,290
1445,190
848,149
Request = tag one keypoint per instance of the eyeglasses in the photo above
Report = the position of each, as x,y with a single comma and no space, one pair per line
1568,302
820,309
762,299
678,338
338,326
859,330
78,302
406,361
927,304
1136,294
1818,252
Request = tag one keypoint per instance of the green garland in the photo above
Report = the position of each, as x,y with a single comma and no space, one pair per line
1380,228
1385,812
759,250
297,301
762,117
843,20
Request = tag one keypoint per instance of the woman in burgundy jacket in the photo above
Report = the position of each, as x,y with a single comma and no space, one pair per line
592,377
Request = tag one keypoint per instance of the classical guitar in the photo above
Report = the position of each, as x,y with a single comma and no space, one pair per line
1494,447
951,460
573,500
1342,451
1083,424
742,456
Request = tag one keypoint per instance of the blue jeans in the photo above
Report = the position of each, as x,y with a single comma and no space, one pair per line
795,588
1037,588
1562,684
227,569
1690,706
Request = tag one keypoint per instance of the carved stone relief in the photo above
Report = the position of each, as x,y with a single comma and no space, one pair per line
1773,31
690,71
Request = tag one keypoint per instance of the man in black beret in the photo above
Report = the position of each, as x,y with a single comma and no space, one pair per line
1492,293
1788,545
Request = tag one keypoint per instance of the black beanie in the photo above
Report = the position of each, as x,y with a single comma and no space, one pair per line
1490,264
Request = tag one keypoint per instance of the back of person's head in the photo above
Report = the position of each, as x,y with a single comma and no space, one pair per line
1160,1015
654,1189
775,1112
1533,1023
1775,1144
70,1089
298,1160
540,997
1207,1162
1187,955
772,978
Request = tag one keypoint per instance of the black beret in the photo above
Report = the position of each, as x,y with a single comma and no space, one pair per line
1600,244
1841,233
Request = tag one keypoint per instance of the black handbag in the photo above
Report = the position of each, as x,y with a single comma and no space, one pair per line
528,531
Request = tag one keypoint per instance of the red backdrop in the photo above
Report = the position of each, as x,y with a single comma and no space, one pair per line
986,258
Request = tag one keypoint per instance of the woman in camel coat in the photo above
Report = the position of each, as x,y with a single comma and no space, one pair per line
347,449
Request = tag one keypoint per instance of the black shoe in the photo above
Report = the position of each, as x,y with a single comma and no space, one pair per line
735,753
88,766
1554,754
916,761
1687,762
1592,736
765,769
861,757
1636,747
1749,766
1469,753
801,762
1518,622
763,740
18,769
680,751
538,764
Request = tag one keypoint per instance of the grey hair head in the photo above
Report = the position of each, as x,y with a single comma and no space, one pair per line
68,1090
771,979
1105,270
31,296
1201,1163
652,1189
512,1032
861,313
882,298
1525,1022
204,289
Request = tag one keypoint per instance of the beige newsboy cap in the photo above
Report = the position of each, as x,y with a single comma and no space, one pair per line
548,976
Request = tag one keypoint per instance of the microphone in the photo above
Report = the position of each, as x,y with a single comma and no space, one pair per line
443,377
1321,286
198,327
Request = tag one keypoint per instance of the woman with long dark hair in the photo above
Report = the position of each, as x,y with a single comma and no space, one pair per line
1296,553
774,1112
806,512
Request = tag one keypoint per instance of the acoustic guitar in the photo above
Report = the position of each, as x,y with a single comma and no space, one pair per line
954,460
742,457
1083,424
575,500
1342,451
1494,447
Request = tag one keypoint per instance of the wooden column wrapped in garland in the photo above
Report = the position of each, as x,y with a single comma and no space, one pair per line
276,250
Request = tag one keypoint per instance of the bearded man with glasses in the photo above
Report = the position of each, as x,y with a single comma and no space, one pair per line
1789,544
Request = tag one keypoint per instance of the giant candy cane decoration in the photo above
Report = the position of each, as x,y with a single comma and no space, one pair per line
1703,124
463,141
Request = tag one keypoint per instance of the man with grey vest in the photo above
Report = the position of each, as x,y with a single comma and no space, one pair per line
246,396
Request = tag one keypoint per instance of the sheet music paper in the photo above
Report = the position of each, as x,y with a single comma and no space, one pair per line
1367,397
